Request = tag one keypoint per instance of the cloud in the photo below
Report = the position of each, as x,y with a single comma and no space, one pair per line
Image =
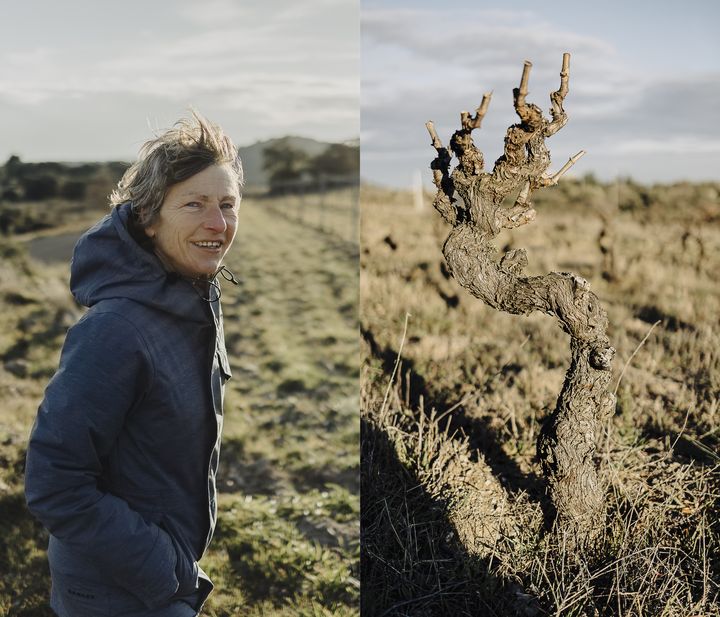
677,145
490,45
213,12
421,64
289,69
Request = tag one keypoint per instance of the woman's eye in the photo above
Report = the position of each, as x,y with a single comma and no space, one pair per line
192,204
227,205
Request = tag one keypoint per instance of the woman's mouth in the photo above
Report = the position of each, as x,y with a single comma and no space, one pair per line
213,245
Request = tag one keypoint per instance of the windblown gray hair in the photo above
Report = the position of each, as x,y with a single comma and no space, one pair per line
189,147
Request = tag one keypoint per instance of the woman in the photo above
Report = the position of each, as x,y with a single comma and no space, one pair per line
122,458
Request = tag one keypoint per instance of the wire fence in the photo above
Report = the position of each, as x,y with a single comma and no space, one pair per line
329,204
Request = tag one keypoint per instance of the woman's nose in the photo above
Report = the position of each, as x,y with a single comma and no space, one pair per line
215,219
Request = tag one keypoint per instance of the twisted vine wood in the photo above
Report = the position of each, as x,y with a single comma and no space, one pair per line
566,445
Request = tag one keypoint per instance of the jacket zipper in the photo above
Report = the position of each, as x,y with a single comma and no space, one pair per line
212,507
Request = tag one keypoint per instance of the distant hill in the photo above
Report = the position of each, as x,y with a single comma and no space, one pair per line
252,156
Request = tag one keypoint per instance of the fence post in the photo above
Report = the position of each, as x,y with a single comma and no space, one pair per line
354,212
321,198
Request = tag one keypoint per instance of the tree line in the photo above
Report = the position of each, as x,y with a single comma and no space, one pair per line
290,169
20,181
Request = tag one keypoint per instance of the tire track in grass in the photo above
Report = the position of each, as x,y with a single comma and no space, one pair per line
289,476
291,330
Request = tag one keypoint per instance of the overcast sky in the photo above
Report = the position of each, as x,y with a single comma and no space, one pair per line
87,79
644,82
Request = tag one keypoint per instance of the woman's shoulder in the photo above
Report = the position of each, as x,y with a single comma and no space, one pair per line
122,312
105,341
113,324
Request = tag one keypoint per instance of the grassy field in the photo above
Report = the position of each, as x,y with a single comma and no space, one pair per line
287,541
453,394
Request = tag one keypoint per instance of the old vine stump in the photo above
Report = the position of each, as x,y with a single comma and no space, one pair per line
567,442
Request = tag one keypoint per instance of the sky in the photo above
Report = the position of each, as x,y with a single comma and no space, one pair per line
90,80
644,82
84,80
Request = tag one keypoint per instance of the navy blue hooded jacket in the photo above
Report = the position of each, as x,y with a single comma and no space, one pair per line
123,455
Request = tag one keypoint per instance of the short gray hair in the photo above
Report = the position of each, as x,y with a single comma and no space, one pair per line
189,147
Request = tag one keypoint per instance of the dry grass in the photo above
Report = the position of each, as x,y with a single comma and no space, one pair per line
453,499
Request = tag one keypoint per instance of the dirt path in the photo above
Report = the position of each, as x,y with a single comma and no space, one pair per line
289,476
55,245
291,331
53,249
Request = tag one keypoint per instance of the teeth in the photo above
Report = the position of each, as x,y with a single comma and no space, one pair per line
208,245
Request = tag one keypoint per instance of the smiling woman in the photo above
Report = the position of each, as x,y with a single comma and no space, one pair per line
122,459
197,223
184,192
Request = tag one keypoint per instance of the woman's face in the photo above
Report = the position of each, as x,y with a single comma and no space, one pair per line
197,221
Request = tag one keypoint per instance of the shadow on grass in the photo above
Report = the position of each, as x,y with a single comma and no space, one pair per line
319,478
409,562
257,475
483,437
240,472
687,449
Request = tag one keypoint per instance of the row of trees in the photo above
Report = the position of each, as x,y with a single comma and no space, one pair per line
40,181
289,167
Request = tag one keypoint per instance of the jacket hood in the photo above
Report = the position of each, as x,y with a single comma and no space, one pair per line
108,263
